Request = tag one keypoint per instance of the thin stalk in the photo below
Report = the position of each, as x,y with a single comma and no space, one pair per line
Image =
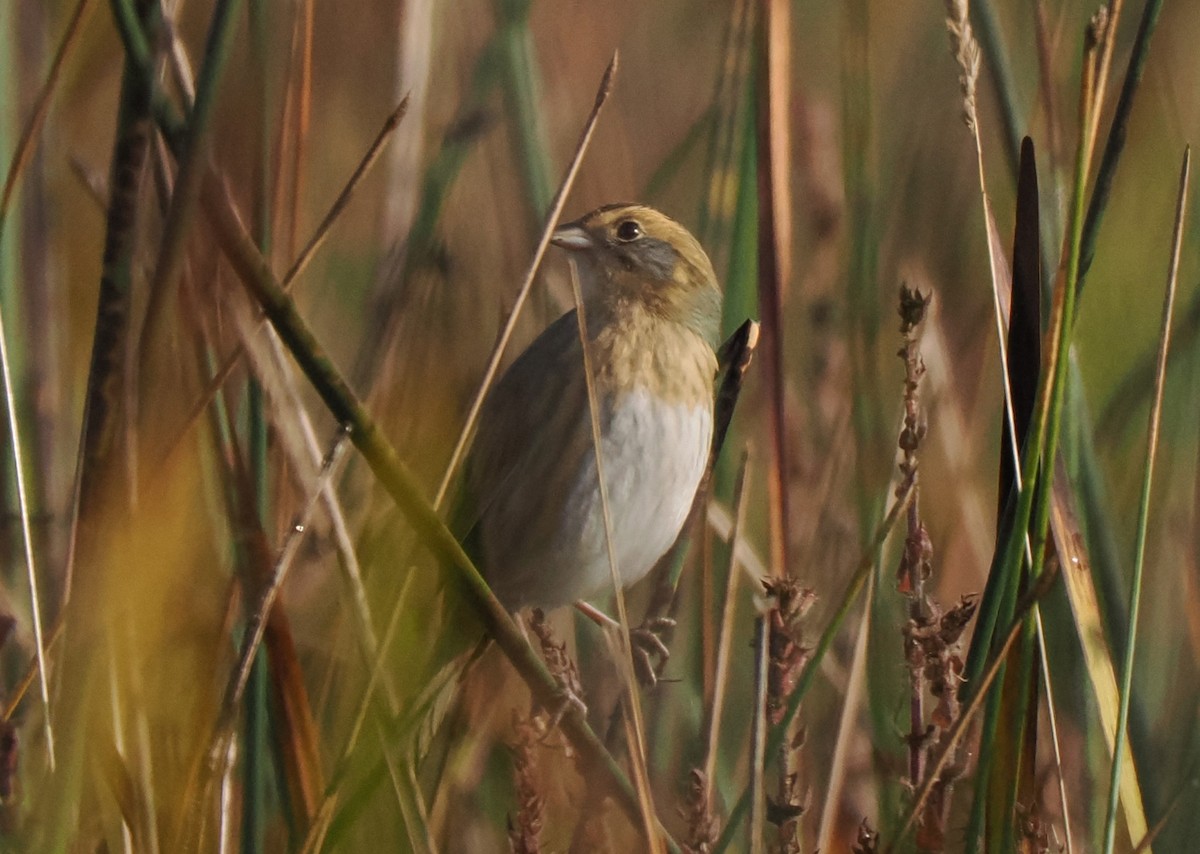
257,624
556,206
1065,300
712,727
637,747
1139,380
774,255
25,147
102,487
27,143
343,199
377,671
1108,43
133,36
847,723
778,733
193,164
225,808
301,262
1012,113
255,765
966,53
758,752
35,608
21,688
259,735
302,94
1135,587
307,456
977,818
1052,716
408,797
1015,778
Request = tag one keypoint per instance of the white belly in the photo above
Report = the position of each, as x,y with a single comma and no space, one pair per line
653,456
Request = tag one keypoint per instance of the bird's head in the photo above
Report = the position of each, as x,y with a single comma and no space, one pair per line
629,252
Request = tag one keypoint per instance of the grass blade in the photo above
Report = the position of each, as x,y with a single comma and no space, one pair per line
35,608
1135,593
712,727
1117,135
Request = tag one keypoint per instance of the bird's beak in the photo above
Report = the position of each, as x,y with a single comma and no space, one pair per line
572,237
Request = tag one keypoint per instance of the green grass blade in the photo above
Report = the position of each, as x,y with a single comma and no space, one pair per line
1135,591
1117,135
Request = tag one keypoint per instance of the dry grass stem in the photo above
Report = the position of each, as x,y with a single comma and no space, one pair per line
552,217
965,51
298,265
716,708
31,572
1103,31
848,731
758,736
339,204
932,639
789,603
27,143
623,651
774,257
300,97
916,562
944,759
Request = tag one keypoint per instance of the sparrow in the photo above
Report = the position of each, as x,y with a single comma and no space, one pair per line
530,511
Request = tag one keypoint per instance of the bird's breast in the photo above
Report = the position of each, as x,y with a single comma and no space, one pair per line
669,361
653,455
543,533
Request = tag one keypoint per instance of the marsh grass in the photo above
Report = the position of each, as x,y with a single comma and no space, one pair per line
248,627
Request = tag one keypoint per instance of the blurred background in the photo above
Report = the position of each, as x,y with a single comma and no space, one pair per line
408,295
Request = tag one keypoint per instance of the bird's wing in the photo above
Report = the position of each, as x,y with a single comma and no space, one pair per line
531,423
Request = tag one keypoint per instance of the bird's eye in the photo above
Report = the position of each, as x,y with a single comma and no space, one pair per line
629,230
